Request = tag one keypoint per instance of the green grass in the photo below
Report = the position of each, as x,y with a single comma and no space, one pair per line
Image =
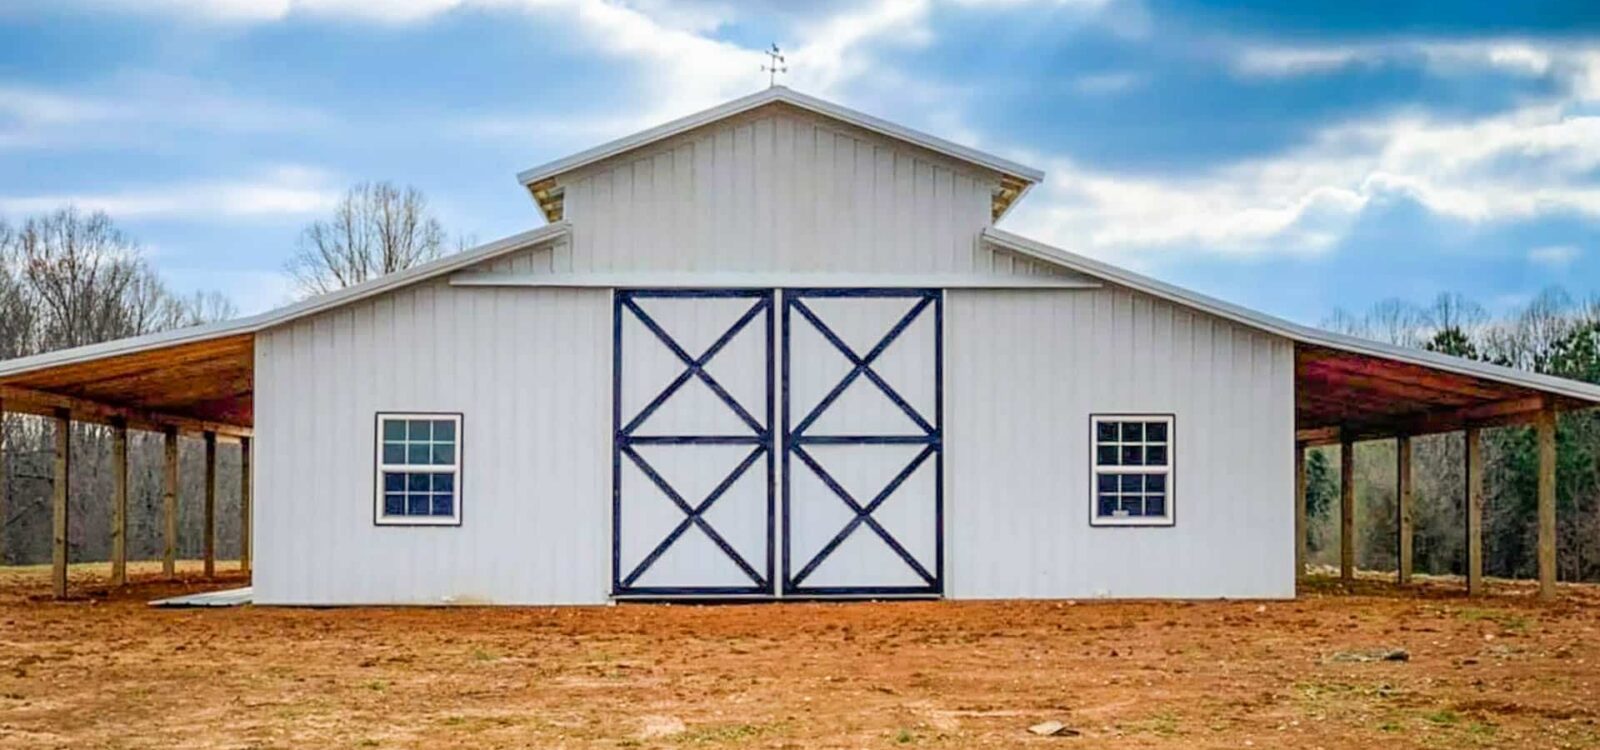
1508,620
1443,717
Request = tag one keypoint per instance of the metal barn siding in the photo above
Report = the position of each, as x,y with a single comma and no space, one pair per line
1025,371
529,372
778,190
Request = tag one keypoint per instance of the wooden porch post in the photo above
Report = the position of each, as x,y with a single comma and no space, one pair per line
63,466
119,502
210,536
169,507
1474,452
1347,510
1546,427
5,514
244,504
1403,496
1299,513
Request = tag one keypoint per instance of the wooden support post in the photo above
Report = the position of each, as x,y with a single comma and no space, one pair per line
1347,510
1546,428
1405,522
5,514
169,507
1299,513
58,541
244,504
119,502
1474,453
210,535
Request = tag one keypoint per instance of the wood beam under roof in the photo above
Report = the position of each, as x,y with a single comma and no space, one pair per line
29,401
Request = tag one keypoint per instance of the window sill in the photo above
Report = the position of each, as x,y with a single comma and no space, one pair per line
419,521
1133,522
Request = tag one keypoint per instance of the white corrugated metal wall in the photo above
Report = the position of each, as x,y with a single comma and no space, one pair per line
530,373
1025,371
773,191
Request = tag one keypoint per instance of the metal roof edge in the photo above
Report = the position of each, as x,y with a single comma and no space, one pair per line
288,313
1287,329
777,94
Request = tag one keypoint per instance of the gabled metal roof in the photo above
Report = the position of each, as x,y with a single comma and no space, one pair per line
1307,335
1015,178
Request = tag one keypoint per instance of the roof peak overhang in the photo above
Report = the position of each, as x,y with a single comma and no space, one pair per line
1013,181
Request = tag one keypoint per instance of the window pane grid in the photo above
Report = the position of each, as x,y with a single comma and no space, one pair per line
418,460
1132,460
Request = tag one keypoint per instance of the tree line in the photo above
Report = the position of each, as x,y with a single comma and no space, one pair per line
1552,334
70,278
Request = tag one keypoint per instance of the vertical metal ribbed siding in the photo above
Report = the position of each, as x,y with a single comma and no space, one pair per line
530,372
781,191
1025,371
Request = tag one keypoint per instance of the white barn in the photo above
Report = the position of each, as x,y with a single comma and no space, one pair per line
775,349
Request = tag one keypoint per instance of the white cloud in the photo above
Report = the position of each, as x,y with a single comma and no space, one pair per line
1533,161
1107,83
1271,61
283,191
1515,56
1555,256
131,106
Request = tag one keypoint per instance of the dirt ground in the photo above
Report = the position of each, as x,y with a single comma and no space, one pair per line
105,670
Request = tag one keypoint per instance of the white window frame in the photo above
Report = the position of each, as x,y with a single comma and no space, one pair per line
378,516
1169,517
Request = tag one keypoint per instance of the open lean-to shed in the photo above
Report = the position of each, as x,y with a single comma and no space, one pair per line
776,349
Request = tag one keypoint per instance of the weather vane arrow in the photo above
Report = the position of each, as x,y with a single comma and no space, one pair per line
776,64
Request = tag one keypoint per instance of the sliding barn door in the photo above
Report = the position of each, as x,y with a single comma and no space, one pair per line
693,468
862,442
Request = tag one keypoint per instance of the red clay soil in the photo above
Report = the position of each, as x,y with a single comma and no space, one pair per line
104,670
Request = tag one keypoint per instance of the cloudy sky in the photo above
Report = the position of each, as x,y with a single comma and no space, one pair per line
1288,159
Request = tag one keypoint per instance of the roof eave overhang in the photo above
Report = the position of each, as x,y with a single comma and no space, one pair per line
1569,391
253,324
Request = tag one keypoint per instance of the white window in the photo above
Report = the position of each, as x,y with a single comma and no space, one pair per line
1132,478
419,470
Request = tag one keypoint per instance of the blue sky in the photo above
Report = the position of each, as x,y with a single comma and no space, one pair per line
1290,156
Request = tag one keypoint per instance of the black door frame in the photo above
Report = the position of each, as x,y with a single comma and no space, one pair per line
760,440
795,440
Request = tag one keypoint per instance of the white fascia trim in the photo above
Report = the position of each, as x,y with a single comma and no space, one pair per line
1293,331
288,313
778,94
693,280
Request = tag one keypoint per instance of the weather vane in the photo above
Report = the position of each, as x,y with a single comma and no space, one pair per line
775,66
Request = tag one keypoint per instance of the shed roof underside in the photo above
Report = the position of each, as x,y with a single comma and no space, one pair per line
196,386
1341,393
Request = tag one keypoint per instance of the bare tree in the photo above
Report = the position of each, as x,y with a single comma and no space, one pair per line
68,279
79,269
376,229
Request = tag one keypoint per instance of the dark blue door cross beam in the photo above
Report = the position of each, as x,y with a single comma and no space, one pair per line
930,436
759,438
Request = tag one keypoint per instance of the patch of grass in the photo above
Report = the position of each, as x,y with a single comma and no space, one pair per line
905,737
1164,724
1509,620
480,654
723,734
376,685
1443,717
